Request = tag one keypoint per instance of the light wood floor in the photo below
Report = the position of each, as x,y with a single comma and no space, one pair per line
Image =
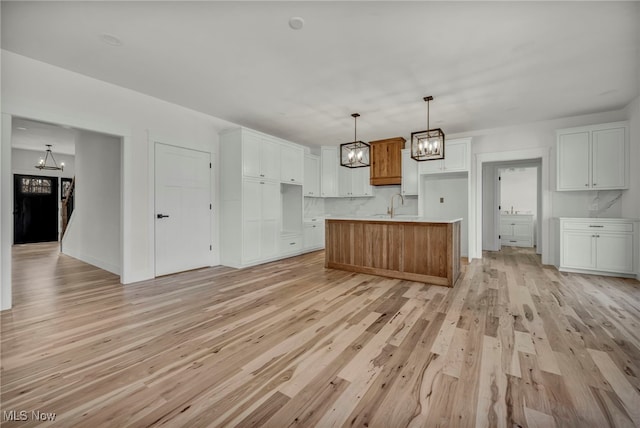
292,344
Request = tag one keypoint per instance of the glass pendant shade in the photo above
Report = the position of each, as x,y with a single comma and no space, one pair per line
356,153
429,144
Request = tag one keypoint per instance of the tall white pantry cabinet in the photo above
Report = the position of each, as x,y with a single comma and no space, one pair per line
251,178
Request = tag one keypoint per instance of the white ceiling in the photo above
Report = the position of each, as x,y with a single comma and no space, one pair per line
486,64
32,135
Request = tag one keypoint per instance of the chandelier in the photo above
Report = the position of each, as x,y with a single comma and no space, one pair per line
42,164
429,144
355,154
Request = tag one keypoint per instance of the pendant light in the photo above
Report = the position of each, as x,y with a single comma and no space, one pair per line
355,154
42,164
429,144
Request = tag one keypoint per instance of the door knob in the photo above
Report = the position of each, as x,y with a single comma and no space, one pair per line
161,216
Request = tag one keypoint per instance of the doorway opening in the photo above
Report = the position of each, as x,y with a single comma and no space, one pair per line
512,204
35,209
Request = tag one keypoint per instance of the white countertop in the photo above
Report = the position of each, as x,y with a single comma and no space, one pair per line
398,218
605,219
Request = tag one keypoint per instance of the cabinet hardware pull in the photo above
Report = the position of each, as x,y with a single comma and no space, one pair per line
586,185
513,224
595,184
293,179
262,182
292,243
596,225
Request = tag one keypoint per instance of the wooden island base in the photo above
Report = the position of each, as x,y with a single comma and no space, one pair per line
418,251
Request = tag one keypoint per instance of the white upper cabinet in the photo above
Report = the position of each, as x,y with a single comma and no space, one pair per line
344,181
456,158
291,164
311,186
260,156
329,172
593,157
360,182
353,182
409,174
574,154
609,158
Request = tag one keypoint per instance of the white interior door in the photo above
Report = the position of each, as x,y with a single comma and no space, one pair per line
183,210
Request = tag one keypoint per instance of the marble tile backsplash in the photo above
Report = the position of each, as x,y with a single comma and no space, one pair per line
606,203
378,204
313,207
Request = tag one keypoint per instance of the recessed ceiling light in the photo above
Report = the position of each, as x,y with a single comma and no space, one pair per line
111,40
296,22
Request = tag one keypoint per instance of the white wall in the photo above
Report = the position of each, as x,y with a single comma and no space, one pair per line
519,190
6,214
489,204
93,234
538,137
36,90
453,189
631,199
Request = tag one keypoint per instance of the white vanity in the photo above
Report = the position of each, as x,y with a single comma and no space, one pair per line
516,230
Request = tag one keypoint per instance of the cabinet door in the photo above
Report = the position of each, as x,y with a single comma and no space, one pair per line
269,159
270,200
386,161
578,250
251,144
360,182
311,184
269,237
432,166
291,164
344,181
409,174
506,229
614,252
252,213
608,159
270,219
523,230
308,238
573,161
329,171
318,235
455,156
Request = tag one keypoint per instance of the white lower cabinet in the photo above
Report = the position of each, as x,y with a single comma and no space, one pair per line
290,244
261,215
260,203
604,246
516,230
313,235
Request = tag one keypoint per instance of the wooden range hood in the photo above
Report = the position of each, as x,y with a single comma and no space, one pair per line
386,161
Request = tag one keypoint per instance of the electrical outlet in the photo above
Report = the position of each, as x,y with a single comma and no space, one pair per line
442,200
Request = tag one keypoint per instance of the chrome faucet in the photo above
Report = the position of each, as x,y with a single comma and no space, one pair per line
390,210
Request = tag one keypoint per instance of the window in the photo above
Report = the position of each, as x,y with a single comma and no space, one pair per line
40,186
